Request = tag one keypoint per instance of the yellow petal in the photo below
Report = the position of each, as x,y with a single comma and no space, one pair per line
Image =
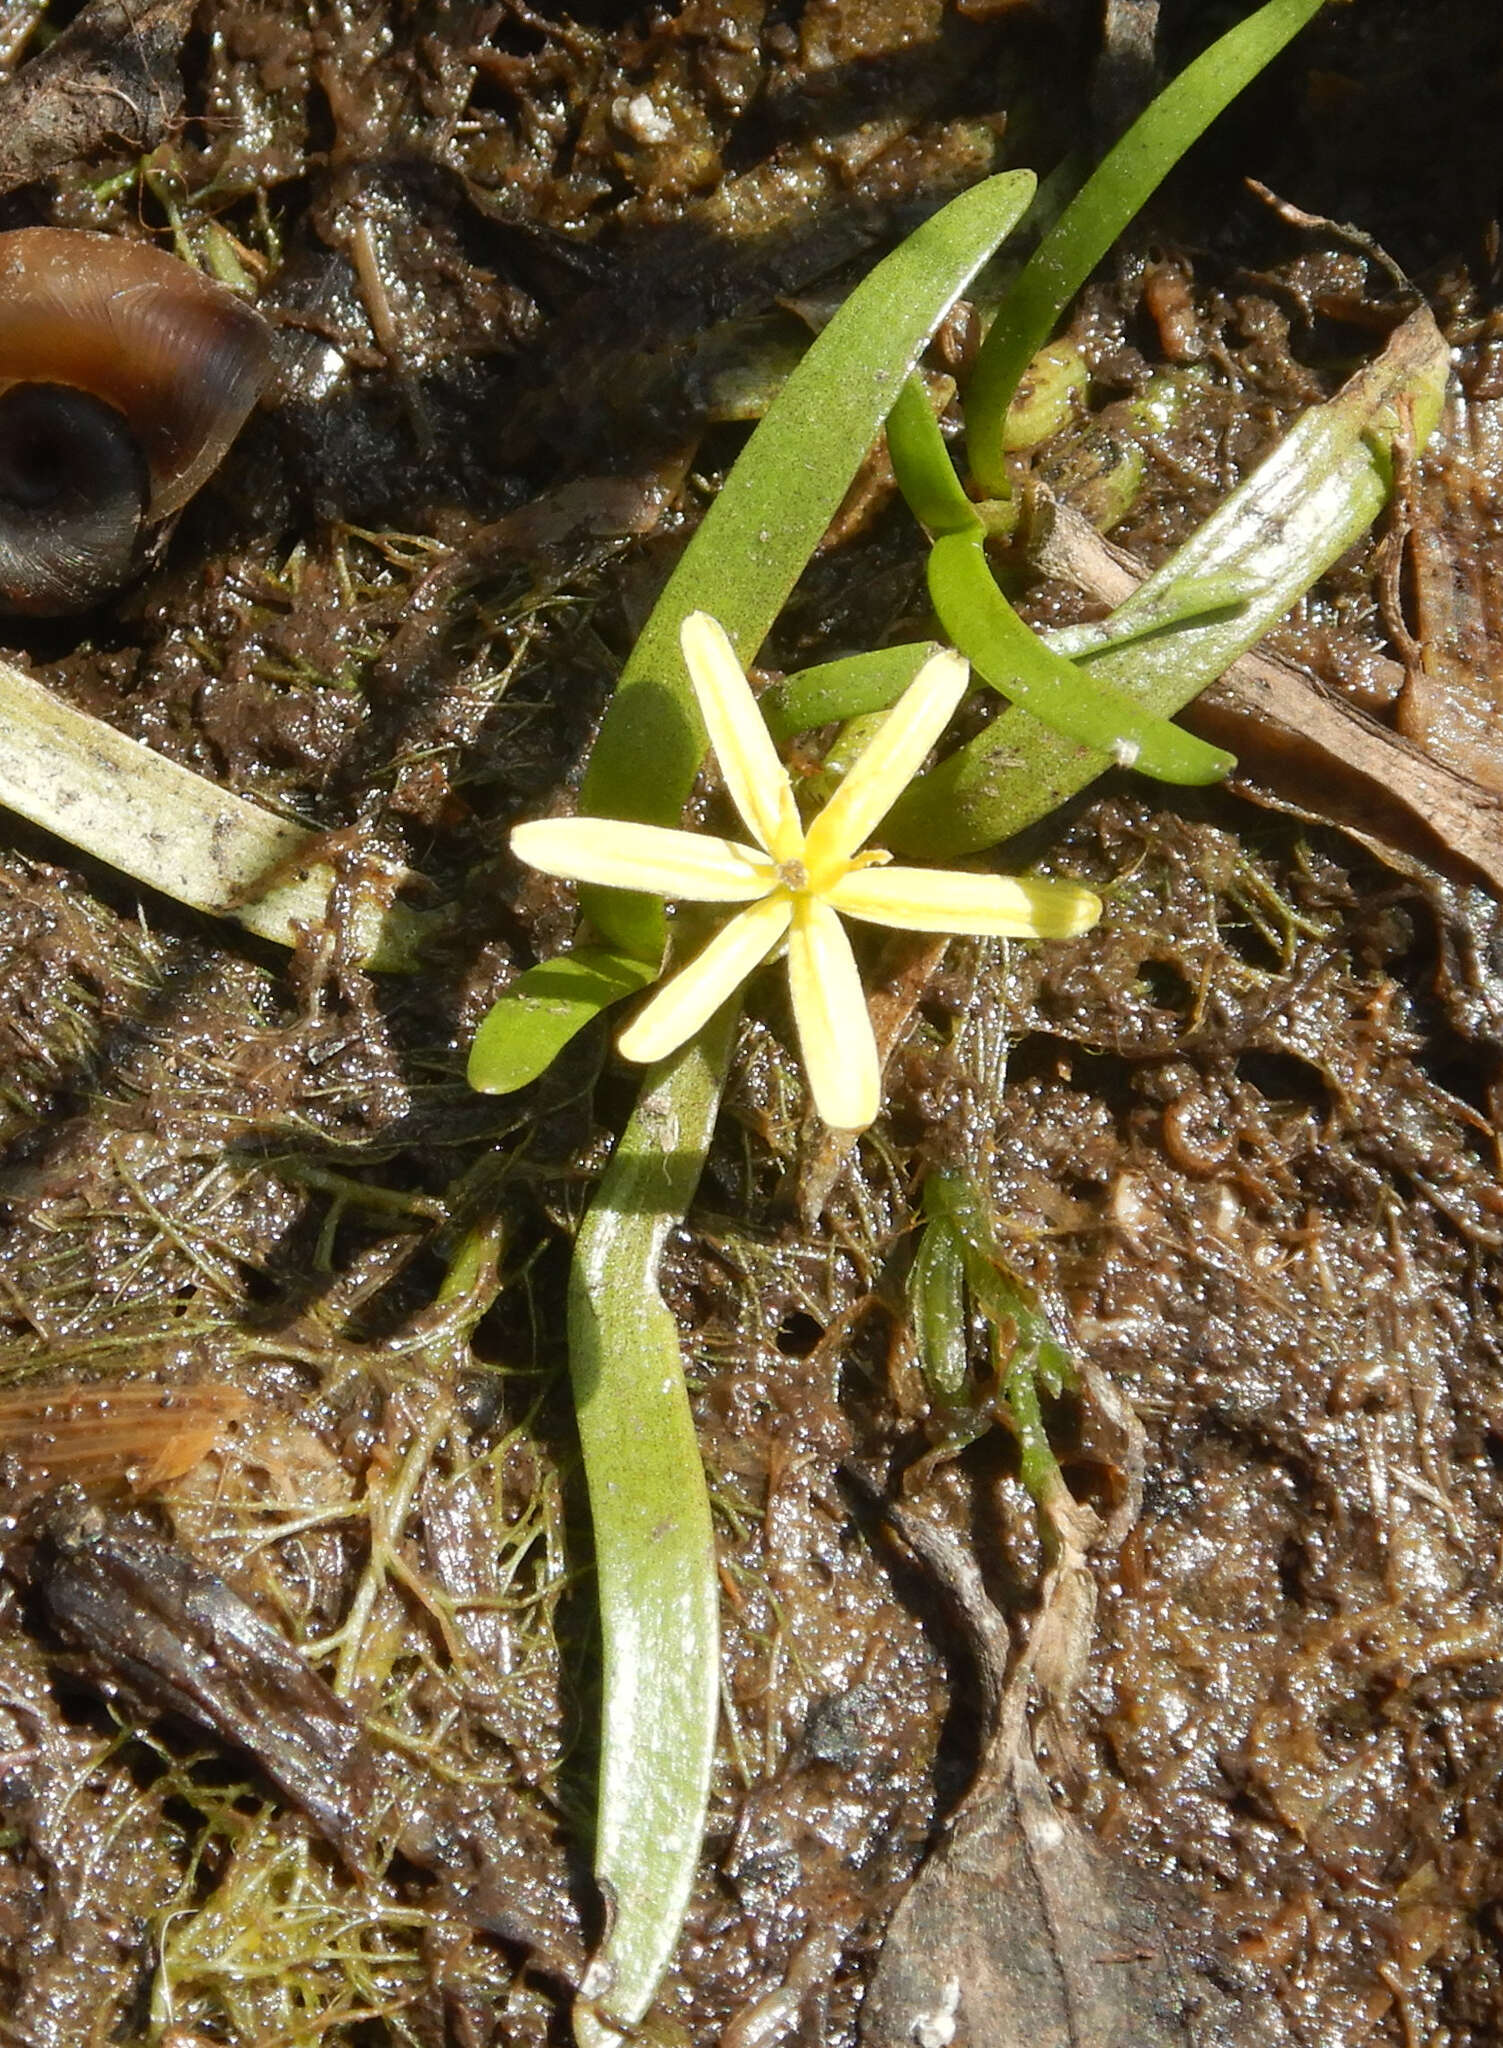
946,900
756,778
889,763
693,995
624,856
834,1029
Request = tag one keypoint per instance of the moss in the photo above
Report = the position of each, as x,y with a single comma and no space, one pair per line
1243,1138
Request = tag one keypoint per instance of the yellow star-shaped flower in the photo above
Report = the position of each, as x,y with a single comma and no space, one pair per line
797,884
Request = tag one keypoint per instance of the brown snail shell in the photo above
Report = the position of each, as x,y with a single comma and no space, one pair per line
124,376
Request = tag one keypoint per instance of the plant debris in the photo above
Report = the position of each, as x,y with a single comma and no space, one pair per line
174,1638
1242,1140
109,81
1019,1929
1310,743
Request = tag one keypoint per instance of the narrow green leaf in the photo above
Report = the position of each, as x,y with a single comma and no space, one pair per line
921,463
1027,1354
936,1303
524,1032
857,685
849,688
1012,658
654,1547
1003,650
1011,1306
786,486
1319,489
1110,197
1171,608
962,1262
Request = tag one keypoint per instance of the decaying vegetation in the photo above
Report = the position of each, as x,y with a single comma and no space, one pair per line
297,1675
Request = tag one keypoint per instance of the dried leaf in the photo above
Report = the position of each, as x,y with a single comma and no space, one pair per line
163,825
1316,747
140,1434
110,81
1453,694
151,1624
1021,1931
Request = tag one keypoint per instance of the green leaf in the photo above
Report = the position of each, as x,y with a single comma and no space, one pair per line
849,688
1025,1351
525,1031
654,1547
1004,651
786,486
1321,487
936,1303
1012,658
1053,394
921,463
1118,188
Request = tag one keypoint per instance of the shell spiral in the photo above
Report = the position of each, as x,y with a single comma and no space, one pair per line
124,377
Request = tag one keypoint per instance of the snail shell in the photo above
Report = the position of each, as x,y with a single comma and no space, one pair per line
124,377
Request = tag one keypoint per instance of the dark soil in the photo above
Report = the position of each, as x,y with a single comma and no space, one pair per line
531,273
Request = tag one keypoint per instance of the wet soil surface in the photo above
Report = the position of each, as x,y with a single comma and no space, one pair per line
531,273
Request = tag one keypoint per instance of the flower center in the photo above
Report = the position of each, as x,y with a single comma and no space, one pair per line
799,880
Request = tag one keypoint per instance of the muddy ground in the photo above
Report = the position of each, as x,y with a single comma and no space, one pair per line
532,273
